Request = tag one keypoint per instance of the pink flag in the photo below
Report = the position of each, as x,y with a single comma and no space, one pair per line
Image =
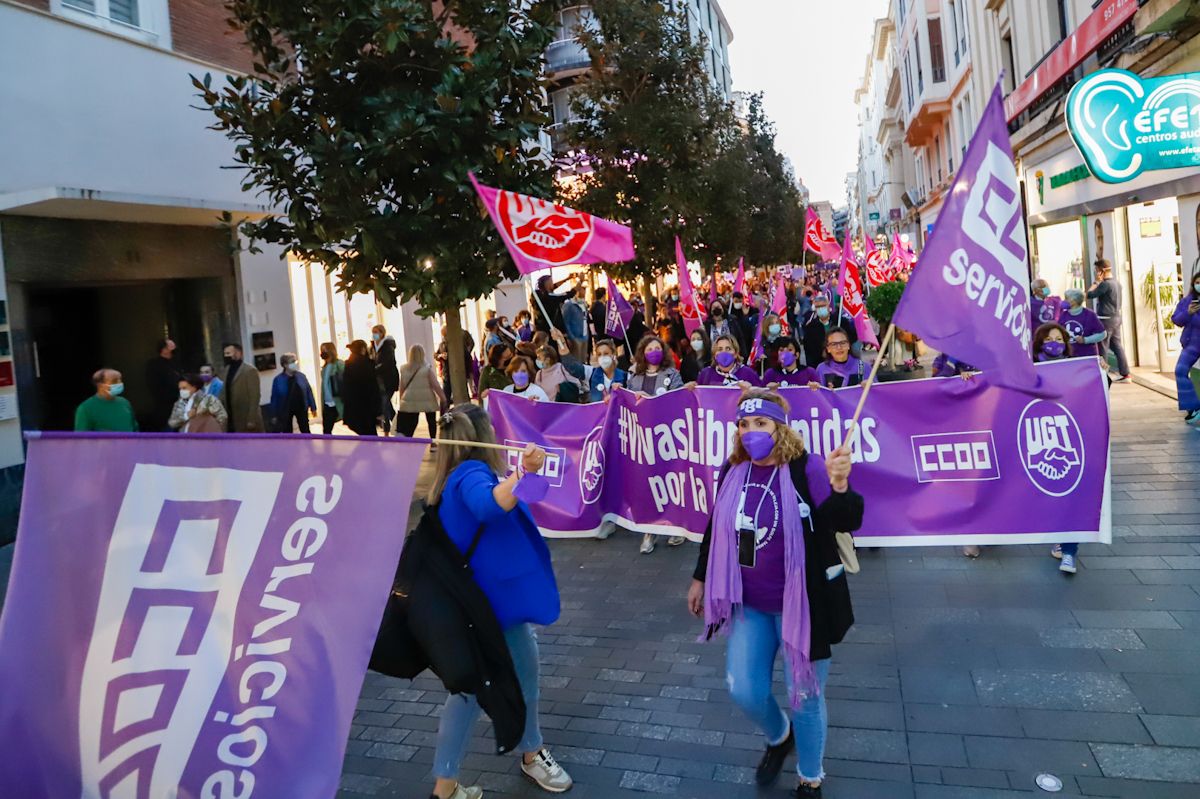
540,234
689,307
877,268
818,239
779,303
902,252
852,296
712,288
739,282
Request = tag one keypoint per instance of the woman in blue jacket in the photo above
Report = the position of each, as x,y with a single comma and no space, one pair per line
1187,316
291,396
512,566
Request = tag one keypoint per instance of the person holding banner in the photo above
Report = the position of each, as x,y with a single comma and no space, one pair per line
653,371
521,371
789,372
512,565
840,369
727,368
769,575
820,324
601,379
1086,329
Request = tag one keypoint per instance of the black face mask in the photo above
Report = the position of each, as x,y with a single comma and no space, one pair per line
229,361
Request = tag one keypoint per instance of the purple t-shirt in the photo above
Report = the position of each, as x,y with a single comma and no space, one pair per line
1085,324
763,584
1043,310
799,377
709,376
832,374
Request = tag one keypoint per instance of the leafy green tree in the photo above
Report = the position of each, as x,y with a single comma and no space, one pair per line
361,121
649,125
774,204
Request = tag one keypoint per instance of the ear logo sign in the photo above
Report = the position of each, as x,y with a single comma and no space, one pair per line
1124,124
543,231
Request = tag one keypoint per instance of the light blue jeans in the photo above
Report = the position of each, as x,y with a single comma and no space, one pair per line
754,640
461,710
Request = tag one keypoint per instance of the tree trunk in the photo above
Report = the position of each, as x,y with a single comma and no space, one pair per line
456,357
650,302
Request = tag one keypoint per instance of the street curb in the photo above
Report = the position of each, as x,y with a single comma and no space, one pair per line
1155,387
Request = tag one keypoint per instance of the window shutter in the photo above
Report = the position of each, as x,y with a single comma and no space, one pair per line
83,5
123,11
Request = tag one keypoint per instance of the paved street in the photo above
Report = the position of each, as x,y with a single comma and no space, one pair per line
961,678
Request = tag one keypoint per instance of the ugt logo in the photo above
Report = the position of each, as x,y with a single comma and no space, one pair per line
543,231
1051,447
591,469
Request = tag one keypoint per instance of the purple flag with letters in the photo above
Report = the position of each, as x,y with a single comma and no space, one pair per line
940,461
193,615
618,313
969,295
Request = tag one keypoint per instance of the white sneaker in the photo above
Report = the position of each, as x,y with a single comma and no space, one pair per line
971,551
676,540
1068,564
606,529
548,775
647,544
460,792
1056,551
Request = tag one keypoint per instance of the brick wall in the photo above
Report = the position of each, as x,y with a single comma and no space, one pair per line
199,28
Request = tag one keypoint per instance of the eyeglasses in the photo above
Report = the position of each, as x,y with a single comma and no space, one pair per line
837,345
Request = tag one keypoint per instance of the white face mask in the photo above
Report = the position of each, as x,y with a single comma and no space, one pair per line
606,361
697,345
184,393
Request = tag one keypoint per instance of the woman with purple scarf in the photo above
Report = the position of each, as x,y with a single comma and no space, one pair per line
769,574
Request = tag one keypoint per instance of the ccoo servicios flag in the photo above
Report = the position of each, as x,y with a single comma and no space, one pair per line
969,295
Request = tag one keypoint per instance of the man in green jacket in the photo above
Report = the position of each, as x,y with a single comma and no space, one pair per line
106,410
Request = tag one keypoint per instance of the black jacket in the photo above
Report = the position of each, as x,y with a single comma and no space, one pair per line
438,618
385,366
361,403
599,316
814,338
828,600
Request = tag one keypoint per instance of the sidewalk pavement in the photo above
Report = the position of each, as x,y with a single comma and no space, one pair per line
961,680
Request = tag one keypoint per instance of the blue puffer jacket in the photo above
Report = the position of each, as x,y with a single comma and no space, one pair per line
1190,322
512,564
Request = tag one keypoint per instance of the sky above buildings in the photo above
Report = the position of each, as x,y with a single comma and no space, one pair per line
807,57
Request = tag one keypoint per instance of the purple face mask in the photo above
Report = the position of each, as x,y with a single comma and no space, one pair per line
725,359
520,379
787,358
758,444
1053,349
654,357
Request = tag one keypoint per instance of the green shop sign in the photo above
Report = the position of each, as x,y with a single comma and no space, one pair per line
1070,176
1124,124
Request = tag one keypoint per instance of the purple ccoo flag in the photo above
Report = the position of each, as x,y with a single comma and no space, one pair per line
618,313
969,295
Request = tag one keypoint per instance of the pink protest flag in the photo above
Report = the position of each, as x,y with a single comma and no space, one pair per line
852,296
877,268
712,288
779,303
905,255
540,234
818,239
689,307
739,282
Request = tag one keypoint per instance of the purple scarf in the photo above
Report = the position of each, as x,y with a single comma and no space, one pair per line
723,588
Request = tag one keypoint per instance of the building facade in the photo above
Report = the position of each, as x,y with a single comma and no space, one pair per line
1147,227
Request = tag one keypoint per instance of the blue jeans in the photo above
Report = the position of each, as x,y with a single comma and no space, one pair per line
461,710
754,640
1069,549
1188,401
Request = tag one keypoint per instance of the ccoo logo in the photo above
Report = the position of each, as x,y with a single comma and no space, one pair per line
1051,447
543,231
591,468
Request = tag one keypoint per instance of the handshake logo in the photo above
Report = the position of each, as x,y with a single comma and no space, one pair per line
1125,125
1051,447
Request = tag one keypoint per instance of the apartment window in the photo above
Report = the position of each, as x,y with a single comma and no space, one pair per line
710,24
1058,18
954,28
561,100
961,26
900,10
937,157
144,20
1010,63
937,60
570,20
917,58
949,151
908,92
123,11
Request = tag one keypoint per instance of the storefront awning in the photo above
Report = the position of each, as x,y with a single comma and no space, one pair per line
1091,33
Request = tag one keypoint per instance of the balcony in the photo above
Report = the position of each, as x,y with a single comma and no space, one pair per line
928,115
566,56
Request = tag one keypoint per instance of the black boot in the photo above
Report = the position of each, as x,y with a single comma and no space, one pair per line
772,759
806,791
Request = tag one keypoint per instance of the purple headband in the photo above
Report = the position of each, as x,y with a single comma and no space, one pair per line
761,407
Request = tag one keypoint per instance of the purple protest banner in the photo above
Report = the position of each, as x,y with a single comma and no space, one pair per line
939,461
969,295
193,615
618,313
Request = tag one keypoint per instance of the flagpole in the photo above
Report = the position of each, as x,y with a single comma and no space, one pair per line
866,388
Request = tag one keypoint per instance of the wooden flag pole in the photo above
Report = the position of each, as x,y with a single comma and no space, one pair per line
480,444
866,389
